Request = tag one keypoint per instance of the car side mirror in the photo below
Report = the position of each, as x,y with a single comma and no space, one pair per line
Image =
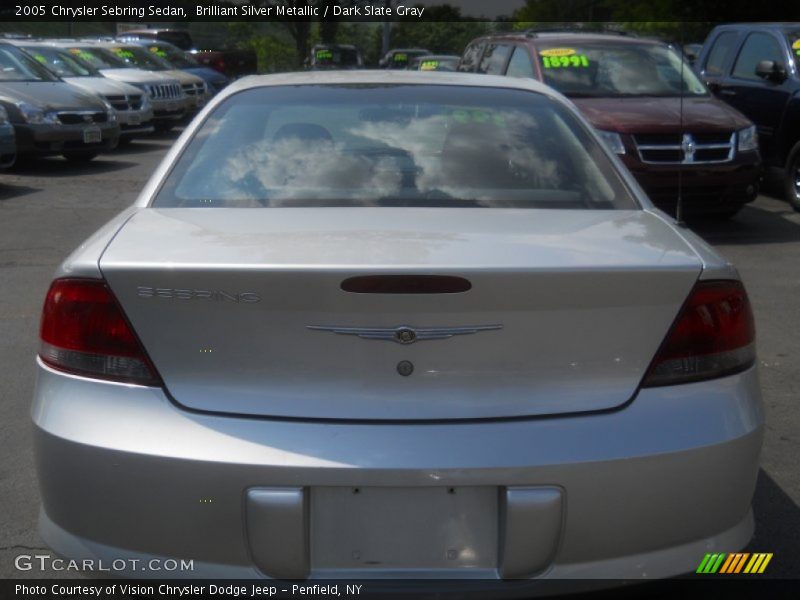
771,70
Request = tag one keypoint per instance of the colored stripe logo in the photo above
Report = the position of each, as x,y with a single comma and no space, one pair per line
734,563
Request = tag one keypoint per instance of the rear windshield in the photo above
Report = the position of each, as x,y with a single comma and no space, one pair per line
393,145
622,69
61,62
16,65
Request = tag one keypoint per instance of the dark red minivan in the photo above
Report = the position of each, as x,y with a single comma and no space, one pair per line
650,107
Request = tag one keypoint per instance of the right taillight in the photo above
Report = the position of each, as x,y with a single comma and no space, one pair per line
85,332
713,336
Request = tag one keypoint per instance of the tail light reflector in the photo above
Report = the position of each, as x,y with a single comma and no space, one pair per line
713,336
84,331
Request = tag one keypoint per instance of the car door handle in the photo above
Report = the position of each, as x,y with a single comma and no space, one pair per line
727,92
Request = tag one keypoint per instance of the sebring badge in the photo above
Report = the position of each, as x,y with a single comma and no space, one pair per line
405,334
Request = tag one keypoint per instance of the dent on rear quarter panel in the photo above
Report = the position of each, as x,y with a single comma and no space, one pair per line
85,259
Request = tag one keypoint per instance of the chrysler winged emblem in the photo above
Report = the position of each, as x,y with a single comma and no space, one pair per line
405,334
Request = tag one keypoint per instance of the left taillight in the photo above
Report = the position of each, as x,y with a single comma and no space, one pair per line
84,331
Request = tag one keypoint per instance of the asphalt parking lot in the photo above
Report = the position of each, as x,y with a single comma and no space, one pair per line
48,207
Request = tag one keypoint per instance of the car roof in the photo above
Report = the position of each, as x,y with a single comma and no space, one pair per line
385,77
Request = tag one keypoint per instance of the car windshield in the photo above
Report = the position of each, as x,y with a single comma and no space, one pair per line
16,65
617,69
794,42
140,58
99,58
173,55
393,145
61,62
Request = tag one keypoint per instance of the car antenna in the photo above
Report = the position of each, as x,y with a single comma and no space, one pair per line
679,206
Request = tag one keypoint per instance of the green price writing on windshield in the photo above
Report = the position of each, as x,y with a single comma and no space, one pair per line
126,54
478,116
560,62
81,54
324,55
429,65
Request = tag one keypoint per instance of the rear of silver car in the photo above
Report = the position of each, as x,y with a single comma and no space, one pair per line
408,391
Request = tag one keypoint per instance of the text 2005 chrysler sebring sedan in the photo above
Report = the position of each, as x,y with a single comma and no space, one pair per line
396,324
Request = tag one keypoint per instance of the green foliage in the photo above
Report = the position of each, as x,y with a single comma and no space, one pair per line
437,36
365,36
274,49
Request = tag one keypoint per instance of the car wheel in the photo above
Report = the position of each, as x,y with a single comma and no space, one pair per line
80,156
792,178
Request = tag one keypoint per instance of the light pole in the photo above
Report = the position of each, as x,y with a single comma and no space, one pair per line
387,31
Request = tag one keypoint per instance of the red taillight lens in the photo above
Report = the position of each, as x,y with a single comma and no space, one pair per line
714,335
84,331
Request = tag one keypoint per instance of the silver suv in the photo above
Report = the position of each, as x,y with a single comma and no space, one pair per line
170,103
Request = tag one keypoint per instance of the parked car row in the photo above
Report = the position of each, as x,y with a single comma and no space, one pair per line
691,123
79,98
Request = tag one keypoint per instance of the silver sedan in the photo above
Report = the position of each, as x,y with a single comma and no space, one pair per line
396,324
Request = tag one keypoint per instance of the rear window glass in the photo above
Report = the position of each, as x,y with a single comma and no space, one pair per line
621,69
393,145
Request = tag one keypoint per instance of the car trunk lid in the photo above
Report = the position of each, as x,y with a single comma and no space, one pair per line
238,308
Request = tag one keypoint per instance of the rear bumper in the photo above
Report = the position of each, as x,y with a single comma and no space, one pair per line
643,491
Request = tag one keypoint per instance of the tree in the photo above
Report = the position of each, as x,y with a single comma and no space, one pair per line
444,31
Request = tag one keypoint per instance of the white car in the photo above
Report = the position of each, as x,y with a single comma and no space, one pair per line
396,324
